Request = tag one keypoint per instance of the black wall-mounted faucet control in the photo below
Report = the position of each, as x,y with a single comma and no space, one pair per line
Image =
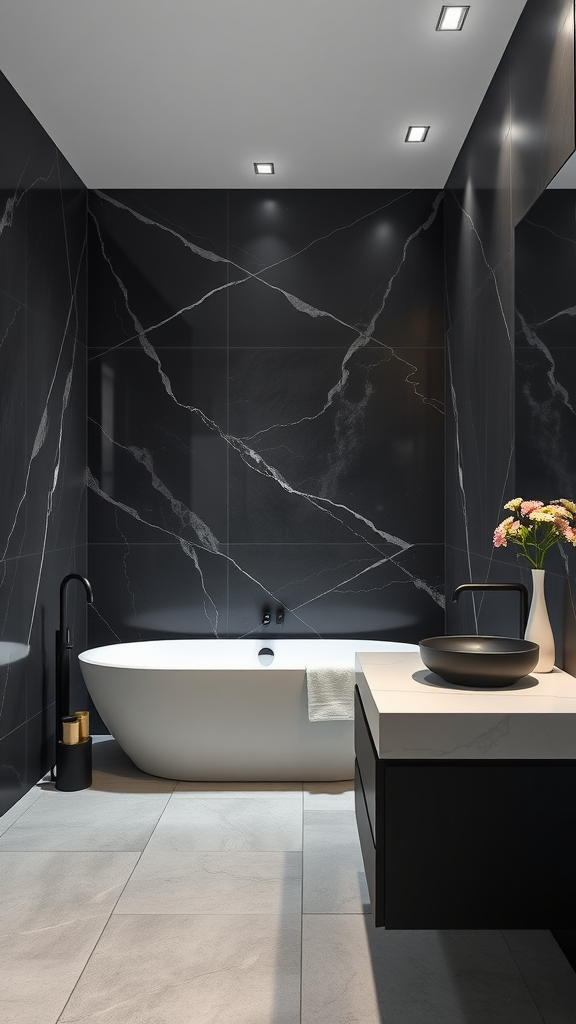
279,616
266,617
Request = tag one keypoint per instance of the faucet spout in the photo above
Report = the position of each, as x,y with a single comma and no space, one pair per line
522,590
64,631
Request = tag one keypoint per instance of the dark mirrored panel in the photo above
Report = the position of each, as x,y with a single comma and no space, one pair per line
545,359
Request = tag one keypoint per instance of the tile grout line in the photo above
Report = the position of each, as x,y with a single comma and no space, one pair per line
521,973
31,804
122,887
381,546
96,944
302,916
227,405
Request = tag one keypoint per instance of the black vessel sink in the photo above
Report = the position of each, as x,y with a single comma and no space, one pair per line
479,661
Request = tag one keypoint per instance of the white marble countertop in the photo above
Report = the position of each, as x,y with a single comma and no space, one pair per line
412,713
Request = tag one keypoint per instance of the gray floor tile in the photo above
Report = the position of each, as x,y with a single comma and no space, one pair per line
207,928
87,820
547,973
166,882
220,824
356,974
192,970
333,870
12,815
54,908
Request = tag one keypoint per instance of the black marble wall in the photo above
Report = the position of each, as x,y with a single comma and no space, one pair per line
523,133
266,413
545,346
42,432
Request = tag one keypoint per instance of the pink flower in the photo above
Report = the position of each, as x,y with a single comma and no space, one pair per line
530,506
535,526
499,538
568,532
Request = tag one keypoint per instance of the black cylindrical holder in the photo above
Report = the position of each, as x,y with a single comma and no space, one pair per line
74,765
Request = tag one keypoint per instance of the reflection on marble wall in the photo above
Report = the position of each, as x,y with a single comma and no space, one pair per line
42,431
546,373
546,343
265,413
523,132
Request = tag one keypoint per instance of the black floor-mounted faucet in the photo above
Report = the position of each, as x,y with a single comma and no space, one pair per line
522,590
64,645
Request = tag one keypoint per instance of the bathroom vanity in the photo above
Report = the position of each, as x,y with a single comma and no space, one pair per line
465,799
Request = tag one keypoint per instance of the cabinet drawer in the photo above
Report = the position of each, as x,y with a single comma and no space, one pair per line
366,838
367,759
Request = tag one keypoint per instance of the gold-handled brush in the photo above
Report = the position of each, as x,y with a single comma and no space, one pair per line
84,721
70,731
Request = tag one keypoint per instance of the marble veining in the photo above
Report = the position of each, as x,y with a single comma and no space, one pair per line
340,416
460,472
468,443
545,364
17,311
39,441
300,304
13,201
556,388
491,271
413,713
42,390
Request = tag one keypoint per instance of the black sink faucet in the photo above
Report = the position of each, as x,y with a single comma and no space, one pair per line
522,590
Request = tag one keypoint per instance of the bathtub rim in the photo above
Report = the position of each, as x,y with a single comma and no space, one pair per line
93,655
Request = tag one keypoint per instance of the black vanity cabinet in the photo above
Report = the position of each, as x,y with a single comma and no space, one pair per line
466,843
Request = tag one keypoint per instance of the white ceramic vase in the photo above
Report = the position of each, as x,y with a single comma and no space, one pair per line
539,630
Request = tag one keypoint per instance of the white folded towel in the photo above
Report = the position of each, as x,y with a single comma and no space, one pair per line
330,692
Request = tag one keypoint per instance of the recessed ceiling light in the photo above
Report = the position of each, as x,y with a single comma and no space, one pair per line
451,19
417,132
263,168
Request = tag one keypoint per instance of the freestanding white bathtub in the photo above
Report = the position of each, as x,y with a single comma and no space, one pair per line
209,710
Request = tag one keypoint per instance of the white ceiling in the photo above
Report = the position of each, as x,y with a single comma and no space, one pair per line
188,93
